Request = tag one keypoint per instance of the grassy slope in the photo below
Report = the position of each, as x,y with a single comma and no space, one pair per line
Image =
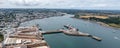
111,21
114,25
1,37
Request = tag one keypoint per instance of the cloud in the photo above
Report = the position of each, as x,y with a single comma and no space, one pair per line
2,1
77,4
24,2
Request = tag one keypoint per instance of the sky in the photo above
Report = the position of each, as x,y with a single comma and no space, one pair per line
62,4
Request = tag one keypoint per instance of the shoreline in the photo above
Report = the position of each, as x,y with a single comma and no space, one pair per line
34,19
2,31
43,18
100,23
18,24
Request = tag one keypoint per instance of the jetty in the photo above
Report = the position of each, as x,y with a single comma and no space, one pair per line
71,31
51,32
75,32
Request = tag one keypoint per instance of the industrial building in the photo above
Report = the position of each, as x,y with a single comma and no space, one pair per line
25,37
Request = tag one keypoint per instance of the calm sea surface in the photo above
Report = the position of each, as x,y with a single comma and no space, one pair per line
111,37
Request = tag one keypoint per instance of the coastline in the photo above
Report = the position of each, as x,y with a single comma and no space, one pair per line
15,25
3,32
100,23
34,19
107,25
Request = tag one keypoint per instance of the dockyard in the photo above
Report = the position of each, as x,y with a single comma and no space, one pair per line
25,37
32,37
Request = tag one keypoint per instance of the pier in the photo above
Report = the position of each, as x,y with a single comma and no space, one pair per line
52,32
72,32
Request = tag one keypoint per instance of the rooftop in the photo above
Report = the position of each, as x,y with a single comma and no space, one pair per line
26,37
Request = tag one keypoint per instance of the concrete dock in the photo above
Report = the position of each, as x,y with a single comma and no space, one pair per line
52,32
75,32
72,32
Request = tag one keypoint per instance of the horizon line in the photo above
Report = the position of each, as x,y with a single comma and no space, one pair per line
60,8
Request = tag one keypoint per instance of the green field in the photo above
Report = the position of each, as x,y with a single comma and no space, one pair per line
1,37
111,21
114,25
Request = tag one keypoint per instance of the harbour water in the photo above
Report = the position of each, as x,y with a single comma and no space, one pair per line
110,36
